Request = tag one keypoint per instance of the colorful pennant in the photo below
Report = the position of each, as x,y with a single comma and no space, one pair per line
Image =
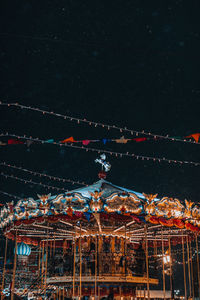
194,137
86,142
117,154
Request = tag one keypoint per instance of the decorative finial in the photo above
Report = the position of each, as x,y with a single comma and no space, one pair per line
106,166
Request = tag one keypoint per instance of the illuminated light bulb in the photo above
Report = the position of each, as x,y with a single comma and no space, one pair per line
166,259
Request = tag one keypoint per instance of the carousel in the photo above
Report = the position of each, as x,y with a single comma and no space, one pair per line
102,240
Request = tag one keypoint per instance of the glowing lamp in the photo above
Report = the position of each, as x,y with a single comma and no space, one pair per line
166,259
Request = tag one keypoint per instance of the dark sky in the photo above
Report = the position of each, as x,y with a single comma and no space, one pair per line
128,63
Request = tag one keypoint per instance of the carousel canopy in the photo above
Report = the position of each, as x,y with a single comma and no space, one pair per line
106,188
102,198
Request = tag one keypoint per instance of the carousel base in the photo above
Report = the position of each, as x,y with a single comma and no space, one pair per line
101,279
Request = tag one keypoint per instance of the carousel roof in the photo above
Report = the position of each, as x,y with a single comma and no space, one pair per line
104,197
107,188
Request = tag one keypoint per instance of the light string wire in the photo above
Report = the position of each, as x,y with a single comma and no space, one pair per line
95,124
10,195
120,154
26,181
43,175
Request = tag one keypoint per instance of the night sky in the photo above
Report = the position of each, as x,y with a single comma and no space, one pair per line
127,63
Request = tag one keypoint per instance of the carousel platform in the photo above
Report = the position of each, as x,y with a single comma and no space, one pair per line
101,279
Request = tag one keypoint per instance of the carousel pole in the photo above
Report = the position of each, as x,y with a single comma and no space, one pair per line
74,266
46,263
95,289
54,244
63,293
50,252
188,261
112,253
125,252
192,275
99,252
171,271
99,262
198,263
154,248
147,260
14,269
99,292
4,268
59,293
80,292
163,265
39,260
42,275
183,250
123,264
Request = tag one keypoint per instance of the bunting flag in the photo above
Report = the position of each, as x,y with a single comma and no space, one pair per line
14,142
140,139
86,142
122,140
49,141
195,136
115,153
105,141
195,139
68,140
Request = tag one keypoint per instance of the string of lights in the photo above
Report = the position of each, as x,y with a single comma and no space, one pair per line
26,181
43,175
10,195
117,154
99,124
